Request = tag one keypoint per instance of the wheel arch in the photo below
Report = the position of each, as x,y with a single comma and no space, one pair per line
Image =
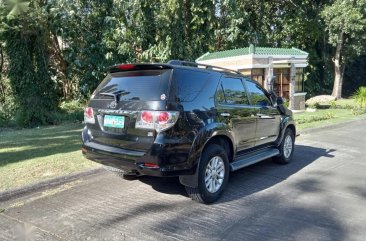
220,139
224,141
292,127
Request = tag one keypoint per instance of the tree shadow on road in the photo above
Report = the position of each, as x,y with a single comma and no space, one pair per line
251,179
244,212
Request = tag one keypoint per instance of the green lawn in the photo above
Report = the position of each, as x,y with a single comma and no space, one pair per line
31,155
322,118
342,111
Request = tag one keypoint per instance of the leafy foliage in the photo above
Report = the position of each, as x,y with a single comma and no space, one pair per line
346,25
57,50
360,96
25,33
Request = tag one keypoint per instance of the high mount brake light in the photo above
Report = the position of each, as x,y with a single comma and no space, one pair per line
126,66
158,120
89,115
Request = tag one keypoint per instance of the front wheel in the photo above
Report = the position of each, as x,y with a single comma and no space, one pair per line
286,148
213,175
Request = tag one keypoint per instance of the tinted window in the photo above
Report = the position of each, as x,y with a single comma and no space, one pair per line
134,85
188,84
257,95
231,91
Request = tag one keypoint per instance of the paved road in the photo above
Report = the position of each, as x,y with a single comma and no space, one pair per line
320,196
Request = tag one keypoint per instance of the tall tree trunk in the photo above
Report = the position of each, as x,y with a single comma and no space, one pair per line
61,65
2,85
338,68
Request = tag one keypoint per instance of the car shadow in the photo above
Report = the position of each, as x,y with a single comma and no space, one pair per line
249,180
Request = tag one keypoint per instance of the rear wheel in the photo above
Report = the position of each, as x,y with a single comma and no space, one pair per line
213,175
286,148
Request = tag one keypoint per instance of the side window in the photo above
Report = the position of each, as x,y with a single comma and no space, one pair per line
189,84
257,95
231,91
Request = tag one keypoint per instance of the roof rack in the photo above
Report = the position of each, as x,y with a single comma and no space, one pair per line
205,66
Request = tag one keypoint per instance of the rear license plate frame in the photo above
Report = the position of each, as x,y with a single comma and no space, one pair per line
114,121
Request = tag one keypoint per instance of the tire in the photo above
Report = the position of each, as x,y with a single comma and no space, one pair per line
121,173
286,148
214,163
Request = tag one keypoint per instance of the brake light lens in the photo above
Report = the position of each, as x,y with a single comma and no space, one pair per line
151,165
158,120
163,117
147,116
126,66
89,115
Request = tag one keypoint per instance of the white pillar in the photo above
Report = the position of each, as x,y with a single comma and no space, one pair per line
292,84
268,73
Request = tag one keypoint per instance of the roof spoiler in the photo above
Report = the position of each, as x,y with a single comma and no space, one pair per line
132,67
204,66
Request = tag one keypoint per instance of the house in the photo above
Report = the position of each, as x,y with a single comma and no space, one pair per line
260,64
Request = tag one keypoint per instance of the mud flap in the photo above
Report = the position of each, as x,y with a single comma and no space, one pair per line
190,180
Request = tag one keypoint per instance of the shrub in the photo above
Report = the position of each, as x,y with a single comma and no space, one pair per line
320,101
7,110
359,111
72,111
360,96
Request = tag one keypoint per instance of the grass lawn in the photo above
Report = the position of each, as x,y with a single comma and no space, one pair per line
32,155
323,117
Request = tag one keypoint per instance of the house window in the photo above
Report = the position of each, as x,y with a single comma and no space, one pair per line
282,83
258,75
299,80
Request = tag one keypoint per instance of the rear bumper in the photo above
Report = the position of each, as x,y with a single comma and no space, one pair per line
135,161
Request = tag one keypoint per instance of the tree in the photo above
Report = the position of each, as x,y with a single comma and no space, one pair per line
346,25
25,34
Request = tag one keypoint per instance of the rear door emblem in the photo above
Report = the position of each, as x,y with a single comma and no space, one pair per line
113,104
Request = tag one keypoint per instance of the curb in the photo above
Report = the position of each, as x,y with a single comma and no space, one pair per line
329,127
21,191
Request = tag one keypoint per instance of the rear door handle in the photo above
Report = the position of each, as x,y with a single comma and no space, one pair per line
225,114
264,116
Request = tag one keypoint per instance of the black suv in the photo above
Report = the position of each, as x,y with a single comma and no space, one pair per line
184,119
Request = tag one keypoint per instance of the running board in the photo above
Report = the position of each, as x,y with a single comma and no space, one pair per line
253,158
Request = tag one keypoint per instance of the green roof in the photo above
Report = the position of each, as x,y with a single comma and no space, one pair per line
252,50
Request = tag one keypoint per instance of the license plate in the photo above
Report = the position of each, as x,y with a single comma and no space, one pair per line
114,121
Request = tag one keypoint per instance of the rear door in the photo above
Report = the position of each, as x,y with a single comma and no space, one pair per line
234,110
124,97
268,117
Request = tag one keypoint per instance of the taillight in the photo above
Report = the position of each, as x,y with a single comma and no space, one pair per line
147,116
163,117
158,120
150,165
89,115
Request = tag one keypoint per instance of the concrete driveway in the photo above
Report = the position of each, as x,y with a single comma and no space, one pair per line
319,196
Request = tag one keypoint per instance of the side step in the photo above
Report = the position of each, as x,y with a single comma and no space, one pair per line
247,160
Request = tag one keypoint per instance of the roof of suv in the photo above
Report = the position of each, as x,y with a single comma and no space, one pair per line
170,65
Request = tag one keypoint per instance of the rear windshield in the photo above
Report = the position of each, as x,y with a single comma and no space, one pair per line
135,85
